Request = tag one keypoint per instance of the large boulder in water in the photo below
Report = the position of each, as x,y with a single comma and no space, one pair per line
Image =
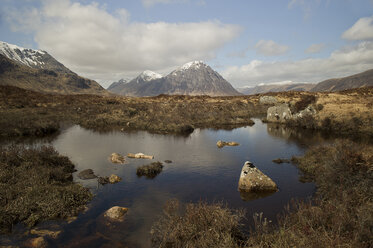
279,113
253,180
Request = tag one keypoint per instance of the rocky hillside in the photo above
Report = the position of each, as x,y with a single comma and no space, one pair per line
194,78
355,81
275,88
38,71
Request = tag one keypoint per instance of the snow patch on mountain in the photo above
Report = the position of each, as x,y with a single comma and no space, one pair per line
190,65
22,55
150,75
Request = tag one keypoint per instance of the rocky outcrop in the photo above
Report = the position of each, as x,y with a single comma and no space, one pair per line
308,111
279,113
116,158
87,174
221,144
268,100
116,213
139,155
253,180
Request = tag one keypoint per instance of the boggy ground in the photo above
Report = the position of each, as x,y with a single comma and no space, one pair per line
341,214
28,113
36,184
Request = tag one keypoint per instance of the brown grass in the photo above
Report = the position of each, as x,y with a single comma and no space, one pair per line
342,213
36,185
30,113
199,225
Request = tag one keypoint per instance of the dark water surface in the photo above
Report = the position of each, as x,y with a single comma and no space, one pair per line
200,171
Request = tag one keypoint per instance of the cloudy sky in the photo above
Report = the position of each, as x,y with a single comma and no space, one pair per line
248,41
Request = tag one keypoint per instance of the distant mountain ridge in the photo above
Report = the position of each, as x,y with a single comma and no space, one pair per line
363,79
276,88
193,78
358,80
37,70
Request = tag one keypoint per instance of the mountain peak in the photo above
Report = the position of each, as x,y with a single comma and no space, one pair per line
25,56
32,58
150,75
193,64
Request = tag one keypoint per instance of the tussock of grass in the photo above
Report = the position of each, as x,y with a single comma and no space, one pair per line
200,225
342,213
150,170
36,185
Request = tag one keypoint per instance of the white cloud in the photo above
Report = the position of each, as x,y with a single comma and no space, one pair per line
105,47
270,48
343,62
315,48
361,30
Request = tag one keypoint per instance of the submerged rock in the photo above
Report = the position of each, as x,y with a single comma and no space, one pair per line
86,174
103,180
139,155
168,161
221,144
44,232
116,213
38,242
281,160
117,158
253,180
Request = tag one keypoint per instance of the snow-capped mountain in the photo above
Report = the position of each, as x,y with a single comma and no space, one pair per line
38,71
32,58
193,78
129,87
150,75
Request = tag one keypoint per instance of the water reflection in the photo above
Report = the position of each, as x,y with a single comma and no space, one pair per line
249,196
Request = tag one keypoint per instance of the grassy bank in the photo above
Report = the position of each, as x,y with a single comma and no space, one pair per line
27,113
37,185
341,214
347,112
